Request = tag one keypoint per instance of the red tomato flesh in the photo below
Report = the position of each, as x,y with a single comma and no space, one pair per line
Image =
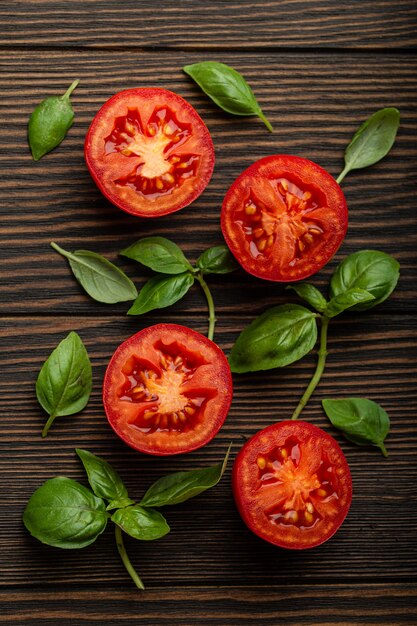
284,218
292,485
167,390
149,152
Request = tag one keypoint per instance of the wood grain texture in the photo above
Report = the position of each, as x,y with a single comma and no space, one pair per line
209,544
55,199
206,26
327,605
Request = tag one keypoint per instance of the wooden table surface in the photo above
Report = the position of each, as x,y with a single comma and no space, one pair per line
319,68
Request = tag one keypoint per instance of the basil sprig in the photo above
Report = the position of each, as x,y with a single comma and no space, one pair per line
175,275
50,122
284,334
65,514
64,383
102,280
227,88
362,421
372,141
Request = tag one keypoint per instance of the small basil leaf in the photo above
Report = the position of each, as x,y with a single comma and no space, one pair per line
371,270
227,88
161,291
362,421
102,280
64,514
158,253
217,260
119,503
64,383
181,486
50,122
310,294
373,140
276,338
104,480
347,300
141,523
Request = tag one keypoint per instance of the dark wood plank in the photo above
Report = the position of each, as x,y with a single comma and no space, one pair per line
315,104
207,26
209,544
326,605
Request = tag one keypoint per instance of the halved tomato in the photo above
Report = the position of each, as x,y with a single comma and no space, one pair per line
292,485
167,390
149,152
284,218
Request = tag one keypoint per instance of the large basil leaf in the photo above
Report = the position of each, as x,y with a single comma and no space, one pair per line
277,338
227,88
104,480
141,523
161,291
310,294
64,514
50,122
370,270
102,280
362,421
217,260
158,253
347,300
181,486
64,383
373,140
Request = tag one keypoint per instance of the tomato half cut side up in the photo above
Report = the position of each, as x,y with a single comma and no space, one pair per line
284,218
149,152
167,390
292,485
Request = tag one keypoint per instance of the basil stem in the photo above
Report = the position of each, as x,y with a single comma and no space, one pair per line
210,302
126,561
321,362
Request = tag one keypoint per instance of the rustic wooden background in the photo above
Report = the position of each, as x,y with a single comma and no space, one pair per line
318,68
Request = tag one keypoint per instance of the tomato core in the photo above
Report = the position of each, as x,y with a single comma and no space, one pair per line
284,218
167,390
292,485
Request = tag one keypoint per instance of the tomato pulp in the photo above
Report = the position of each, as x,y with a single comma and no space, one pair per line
284,218
149,152
167,390
292,485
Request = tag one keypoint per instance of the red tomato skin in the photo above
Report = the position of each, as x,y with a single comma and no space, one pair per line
305,171
252,448
223,381
168,205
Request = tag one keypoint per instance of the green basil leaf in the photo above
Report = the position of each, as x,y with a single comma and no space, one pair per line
310,294
64,383
158,253
50,122
347,300
370,270
181,486
64,514
373,140
227,88
217,260
161,291
119,503
141,523
102,280
104,480
362,421
276,338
